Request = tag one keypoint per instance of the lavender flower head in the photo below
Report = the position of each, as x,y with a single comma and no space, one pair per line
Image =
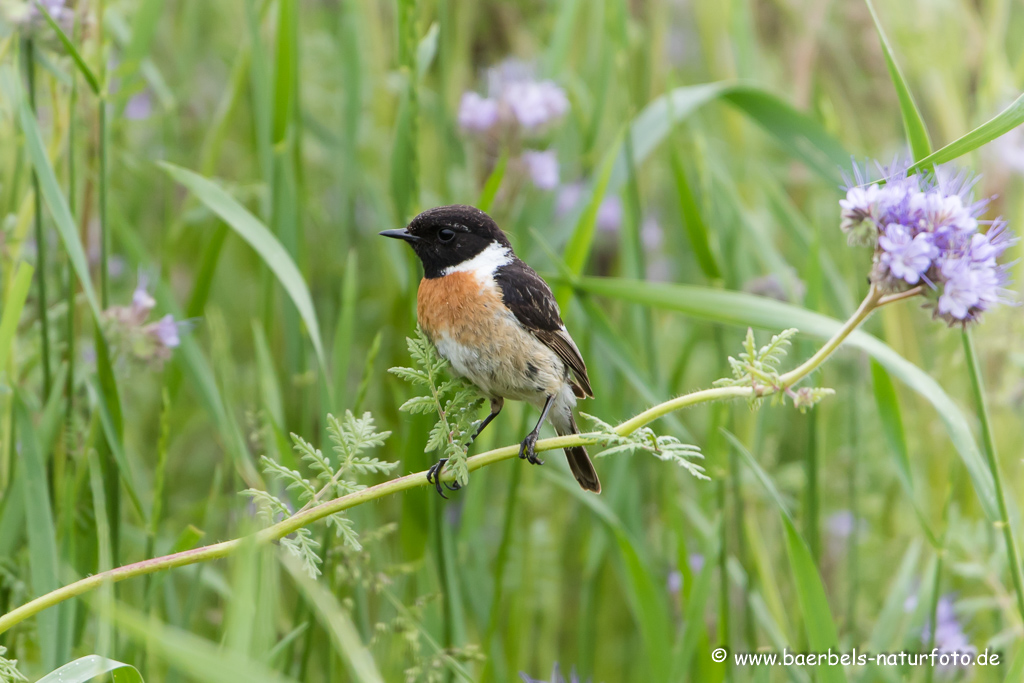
516,101
925,230
542,168
129,331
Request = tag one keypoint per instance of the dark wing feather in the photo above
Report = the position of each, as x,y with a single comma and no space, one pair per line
528,297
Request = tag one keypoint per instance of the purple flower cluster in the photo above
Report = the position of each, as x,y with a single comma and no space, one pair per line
515,99
144,341
925,231
517,105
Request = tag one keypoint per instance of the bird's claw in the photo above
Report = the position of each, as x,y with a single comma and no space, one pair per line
526,449
434,477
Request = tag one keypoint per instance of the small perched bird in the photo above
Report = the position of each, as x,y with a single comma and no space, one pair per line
498,325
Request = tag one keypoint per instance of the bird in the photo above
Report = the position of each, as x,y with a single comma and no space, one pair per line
496,322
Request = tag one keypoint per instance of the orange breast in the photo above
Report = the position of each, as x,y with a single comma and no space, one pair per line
458,305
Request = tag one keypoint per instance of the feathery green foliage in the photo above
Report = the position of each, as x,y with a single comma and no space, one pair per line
455,402
351,437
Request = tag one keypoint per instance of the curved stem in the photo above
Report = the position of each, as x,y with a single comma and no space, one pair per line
415,480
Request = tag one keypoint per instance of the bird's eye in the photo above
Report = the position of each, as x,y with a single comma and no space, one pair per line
446,235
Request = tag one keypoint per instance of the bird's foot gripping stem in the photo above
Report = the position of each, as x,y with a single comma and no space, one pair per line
434,477
526,449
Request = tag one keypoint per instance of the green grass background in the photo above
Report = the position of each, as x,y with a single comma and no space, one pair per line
330,121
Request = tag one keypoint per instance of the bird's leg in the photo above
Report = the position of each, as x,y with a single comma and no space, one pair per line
496,406
526,448
434,477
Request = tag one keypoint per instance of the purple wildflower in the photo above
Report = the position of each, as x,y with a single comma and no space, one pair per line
906,257
651,233
477,113
142,301
139,107
165,332
609,214
675,581
841,524
925,228
542,167
516,101
536,104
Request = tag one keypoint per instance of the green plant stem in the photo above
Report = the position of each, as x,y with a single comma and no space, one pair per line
102,184
44,324
993,463
418,479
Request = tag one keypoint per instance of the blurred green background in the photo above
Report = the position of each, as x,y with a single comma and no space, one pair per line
332,120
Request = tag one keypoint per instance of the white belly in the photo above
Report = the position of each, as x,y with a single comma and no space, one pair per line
512,364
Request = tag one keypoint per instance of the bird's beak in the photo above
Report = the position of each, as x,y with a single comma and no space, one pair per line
402,234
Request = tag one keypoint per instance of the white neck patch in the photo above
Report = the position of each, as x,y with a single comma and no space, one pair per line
485,263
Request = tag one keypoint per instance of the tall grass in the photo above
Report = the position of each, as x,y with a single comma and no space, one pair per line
242,158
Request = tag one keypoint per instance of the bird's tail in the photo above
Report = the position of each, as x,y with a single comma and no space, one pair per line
579,462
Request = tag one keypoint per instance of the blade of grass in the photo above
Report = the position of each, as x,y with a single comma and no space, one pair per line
649,609
104,546
42,540
83,68
249,228
493,183
41,243
800,135
577,251
890,414
978,387
14,304
693,220
693,617
999,125
913,124
821,629
338,624
344,332
86,668
201,659
116,445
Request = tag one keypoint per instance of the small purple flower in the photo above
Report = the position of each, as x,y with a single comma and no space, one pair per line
165,331
651,233
696,561
542,167
142,301
968,289
906,257
477,113
139,107
859,209
536,104
609,214
841,524
675,581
